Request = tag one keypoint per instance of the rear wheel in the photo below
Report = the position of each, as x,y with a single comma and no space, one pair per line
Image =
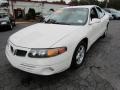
105,33
79,55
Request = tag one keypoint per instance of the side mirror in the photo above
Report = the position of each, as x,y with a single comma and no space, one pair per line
94,20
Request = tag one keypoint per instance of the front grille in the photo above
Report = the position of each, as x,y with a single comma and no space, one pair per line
20,52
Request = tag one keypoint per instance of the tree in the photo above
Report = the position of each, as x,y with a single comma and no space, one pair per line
84,2
62,1
59,2
102,4
111,4
114,4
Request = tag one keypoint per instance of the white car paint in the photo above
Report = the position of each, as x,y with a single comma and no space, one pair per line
110,15
48,35
51,36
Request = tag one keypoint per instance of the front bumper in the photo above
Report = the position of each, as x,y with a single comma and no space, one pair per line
40,66
5,26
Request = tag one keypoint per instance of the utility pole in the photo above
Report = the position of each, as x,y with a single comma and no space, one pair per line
12,7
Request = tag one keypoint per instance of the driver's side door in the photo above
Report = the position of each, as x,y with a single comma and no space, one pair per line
94,27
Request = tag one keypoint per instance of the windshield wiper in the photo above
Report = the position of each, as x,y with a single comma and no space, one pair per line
63,23
52,21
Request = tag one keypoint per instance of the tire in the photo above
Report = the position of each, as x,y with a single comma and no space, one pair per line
14,24
79,55
105,33
114,17
10,26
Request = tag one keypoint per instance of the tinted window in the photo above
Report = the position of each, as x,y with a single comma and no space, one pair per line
93,13
100,12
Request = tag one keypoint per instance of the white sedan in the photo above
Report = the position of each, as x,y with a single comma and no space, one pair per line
60,42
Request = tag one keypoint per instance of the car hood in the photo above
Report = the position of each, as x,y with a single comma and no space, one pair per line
41,35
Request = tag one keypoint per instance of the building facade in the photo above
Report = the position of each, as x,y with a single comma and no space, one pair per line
20,7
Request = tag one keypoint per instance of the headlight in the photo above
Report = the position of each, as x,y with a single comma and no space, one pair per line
3,23
44,53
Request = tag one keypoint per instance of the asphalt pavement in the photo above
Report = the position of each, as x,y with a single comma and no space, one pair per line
101,71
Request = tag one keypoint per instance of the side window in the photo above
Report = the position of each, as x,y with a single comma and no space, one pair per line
93,13
100,12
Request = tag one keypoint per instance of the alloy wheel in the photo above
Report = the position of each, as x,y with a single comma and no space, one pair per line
80,54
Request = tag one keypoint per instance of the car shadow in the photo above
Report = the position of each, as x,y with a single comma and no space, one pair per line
4,30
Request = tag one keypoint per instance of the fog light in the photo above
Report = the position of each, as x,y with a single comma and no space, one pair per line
48,71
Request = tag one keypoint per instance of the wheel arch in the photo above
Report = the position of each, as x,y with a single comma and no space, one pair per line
85,40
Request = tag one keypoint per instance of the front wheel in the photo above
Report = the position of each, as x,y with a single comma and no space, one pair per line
79,55
10,26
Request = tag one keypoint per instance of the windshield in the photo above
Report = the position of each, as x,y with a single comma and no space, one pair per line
69,16
3,15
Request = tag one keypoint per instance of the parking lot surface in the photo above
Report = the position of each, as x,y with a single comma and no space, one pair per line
101,70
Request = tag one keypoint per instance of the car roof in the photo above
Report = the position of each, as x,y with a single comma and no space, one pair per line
83,6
